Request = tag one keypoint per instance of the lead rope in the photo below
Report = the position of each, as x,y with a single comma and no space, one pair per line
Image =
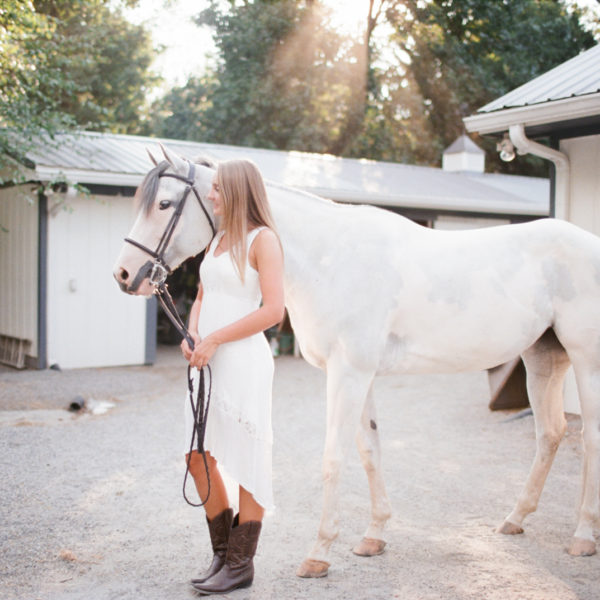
200,417
199,409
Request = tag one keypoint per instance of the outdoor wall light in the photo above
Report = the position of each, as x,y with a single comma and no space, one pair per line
506,149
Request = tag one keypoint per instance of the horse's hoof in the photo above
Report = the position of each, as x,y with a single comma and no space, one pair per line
369,547
581,547
313,568
508,528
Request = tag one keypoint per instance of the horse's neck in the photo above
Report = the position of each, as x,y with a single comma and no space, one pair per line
306,226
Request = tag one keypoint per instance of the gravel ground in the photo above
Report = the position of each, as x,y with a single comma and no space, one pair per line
92,508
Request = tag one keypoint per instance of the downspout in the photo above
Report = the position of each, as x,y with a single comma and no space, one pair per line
562,168
42,316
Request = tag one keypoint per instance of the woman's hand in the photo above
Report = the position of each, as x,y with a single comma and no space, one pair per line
203,352
185,347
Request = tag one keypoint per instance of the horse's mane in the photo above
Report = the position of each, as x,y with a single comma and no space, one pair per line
146,192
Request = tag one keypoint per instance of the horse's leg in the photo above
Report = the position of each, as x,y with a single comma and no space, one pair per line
588,386
546,363
367,440
347,390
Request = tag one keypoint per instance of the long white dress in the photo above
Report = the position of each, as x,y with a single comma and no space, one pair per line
239,431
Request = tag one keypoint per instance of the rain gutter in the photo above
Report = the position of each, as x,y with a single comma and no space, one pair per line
559,202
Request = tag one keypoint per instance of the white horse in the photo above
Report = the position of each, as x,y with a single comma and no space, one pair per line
369,292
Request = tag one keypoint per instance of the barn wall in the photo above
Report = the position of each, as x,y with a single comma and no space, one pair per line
91,323
584,211
584,156
19,267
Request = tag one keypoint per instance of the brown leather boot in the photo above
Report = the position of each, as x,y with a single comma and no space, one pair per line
238,571
218,529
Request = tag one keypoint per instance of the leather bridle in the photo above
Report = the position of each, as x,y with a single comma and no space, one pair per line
158,270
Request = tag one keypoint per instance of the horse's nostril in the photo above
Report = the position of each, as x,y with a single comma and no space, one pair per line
124,275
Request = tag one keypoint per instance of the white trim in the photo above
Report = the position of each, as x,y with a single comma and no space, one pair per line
91,177
537,114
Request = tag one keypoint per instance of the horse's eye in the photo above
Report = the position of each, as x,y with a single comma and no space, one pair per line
164,204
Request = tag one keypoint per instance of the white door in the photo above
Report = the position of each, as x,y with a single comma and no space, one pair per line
91,323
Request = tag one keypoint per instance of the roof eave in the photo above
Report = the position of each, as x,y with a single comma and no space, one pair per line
457,205
553,111
84,177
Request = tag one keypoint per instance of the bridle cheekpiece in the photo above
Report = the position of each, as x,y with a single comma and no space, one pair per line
158,270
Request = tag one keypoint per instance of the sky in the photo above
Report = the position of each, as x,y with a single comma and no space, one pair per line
189,48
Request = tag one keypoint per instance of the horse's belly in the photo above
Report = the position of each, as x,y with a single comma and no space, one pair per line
446,356
446,338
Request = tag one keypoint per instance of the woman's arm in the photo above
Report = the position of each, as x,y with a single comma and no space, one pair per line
193,325
266,253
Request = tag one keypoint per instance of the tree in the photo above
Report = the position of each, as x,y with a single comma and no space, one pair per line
285,79
108,60
181,113
24,77
462,54
67,64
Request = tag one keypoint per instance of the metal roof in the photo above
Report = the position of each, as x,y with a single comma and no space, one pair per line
122,160
564,102
578,76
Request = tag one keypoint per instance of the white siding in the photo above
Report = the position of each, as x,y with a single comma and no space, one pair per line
584,156
584,211
91,323
19,266
464,161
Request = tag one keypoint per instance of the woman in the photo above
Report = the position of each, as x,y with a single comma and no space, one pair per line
239,296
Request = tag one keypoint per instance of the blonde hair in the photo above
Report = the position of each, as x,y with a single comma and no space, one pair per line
245,203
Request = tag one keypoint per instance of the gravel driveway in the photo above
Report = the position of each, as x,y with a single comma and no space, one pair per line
91,504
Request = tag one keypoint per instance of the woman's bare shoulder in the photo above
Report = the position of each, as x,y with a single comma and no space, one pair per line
266,234
266,244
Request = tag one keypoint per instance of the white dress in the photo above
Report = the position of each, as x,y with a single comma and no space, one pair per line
238,431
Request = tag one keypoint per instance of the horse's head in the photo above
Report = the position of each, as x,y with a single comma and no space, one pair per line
174,222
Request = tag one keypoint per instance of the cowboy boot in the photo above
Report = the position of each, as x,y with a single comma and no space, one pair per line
218,529
238,571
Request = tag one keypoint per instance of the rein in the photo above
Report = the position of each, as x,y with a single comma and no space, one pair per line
157,272
198,406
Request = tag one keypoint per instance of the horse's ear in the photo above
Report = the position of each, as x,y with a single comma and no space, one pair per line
154,161
174,159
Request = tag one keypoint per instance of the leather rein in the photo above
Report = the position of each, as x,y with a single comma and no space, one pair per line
157,273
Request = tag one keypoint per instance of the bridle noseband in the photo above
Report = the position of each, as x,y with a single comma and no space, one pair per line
159,269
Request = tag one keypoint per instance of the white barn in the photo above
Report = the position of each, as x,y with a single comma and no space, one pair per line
58,302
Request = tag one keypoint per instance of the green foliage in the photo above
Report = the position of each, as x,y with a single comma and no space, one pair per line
26,77
68,64
464,53
285,80
107,59
180,114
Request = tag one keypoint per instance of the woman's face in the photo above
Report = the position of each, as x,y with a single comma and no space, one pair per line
215,197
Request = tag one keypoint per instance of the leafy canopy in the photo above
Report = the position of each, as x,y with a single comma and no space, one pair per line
69,64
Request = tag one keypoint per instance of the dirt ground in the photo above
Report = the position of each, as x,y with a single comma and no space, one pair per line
91,505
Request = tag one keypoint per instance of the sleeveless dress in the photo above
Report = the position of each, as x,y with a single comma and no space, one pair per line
238,431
